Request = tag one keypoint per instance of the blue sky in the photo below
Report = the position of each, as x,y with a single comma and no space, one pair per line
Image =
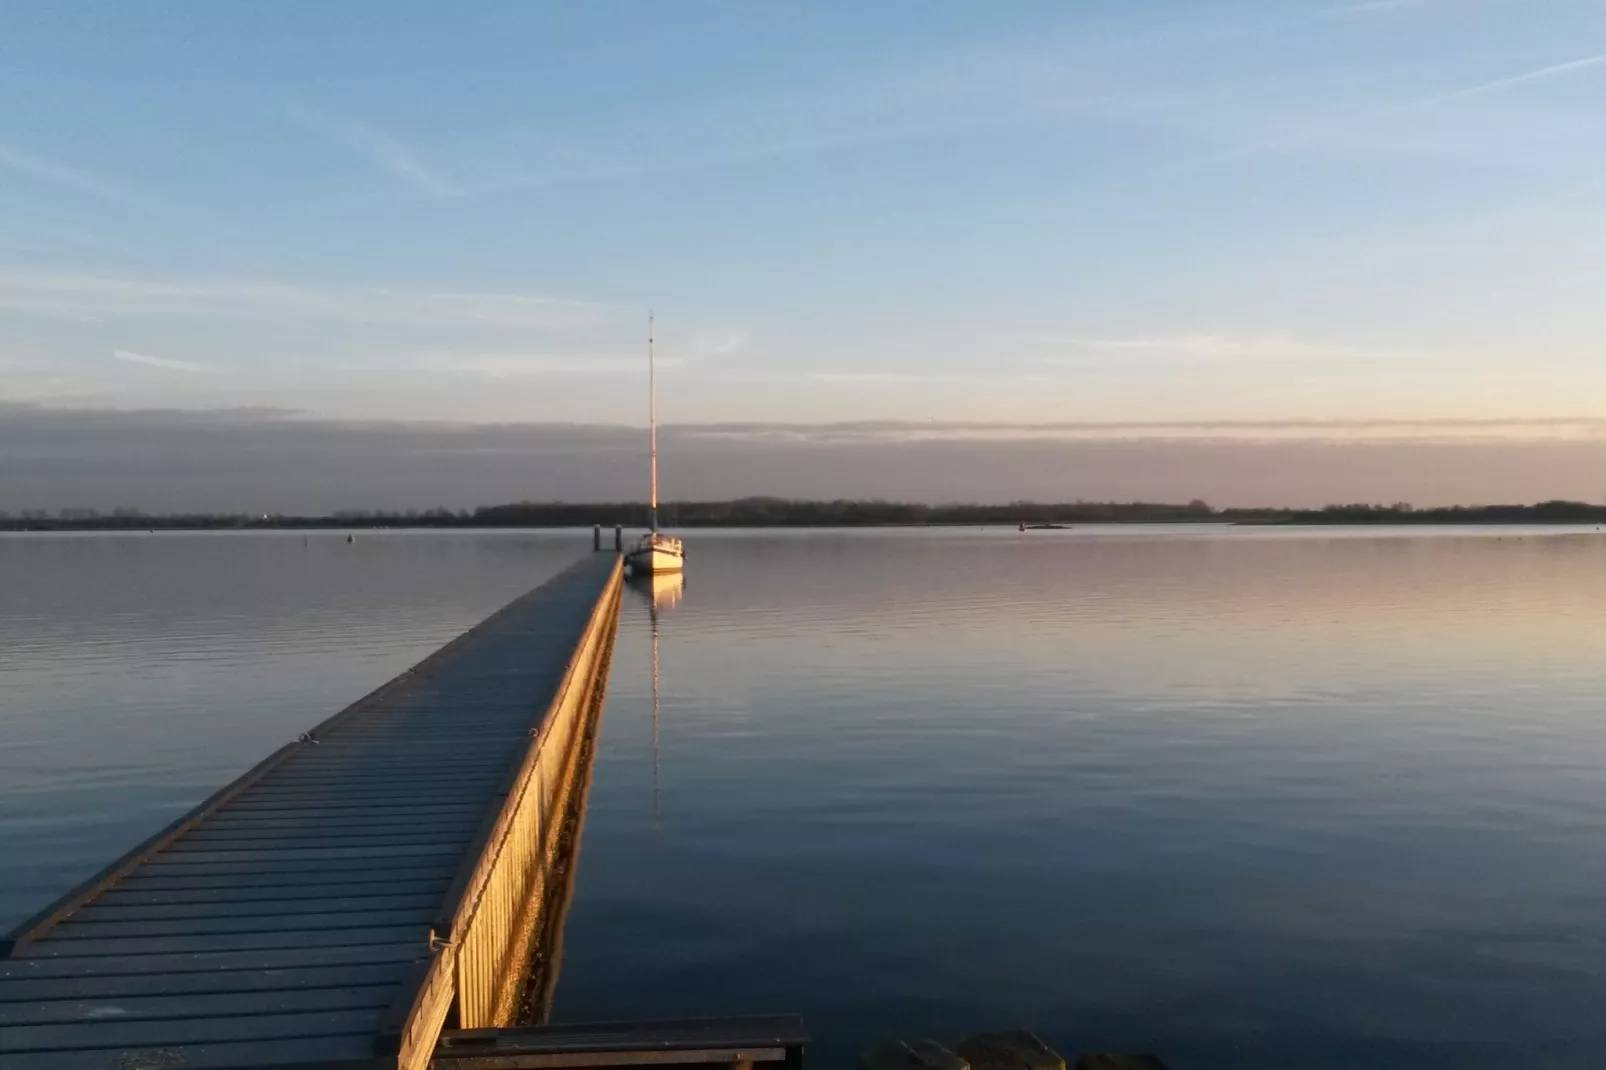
1203,214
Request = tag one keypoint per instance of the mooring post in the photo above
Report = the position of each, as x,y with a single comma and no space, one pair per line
596,537
618,539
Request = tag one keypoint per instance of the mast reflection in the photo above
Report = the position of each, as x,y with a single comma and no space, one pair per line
662,591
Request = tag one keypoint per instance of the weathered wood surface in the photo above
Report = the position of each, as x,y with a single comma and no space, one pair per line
709,1041
293,917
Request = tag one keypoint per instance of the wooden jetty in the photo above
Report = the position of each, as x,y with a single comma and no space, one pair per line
359,890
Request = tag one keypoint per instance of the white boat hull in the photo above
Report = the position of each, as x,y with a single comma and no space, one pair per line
649,560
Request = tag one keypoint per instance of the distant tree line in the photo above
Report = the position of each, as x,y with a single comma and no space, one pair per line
1553,512
786,512
842,512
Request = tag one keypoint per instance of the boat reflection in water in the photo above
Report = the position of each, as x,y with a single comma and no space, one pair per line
663,591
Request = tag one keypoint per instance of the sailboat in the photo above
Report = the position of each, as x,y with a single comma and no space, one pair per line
654,551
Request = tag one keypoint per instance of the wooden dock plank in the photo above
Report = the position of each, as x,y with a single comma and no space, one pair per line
212,963
430,860
294,882
434,786
384,773
412,769
225,942
349,754
376,833
354,799
316,836
136,1008
262,908
77,928
275,810
328,749
419,733
114,1033
429,780
17,996
211,857
338,816
330,827
351,1051
251,893
338,791
755,1031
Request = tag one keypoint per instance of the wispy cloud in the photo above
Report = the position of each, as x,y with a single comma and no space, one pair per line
708,345
1208,348
95,297
972,91
889,378
1374,127
64,176
1038,83
386,151
1554,70
165,363
1025,83
523,364
1367,7
511,365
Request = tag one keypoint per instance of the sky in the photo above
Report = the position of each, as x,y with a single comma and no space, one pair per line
1362,223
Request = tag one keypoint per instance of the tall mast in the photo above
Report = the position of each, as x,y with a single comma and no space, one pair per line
652,427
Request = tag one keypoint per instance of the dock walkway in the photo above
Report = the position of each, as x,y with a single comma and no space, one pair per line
351,894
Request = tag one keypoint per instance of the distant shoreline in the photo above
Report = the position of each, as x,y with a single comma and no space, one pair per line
786,513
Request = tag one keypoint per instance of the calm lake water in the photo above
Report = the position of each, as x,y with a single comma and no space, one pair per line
1246,798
